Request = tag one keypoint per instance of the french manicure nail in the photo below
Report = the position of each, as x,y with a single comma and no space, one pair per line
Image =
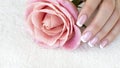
81,20
103,43
86,36
93,42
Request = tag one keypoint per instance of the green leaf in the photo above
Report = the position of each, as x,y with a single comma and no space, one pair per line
77,2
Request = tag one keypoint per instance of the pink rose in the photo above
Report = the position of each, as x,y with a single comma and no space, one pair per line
52,23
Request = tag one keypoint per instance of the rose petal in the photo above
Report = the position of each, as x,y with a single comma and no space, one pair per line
29,9
74,42
41,36
37,19
29,26
70,7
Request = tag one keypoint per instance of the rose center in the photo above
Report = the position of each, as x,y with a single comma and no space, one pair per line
51,21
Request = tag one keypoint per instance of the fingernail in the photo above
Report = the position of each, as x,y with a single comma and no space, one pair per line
103,43
82,20
86,36
92,42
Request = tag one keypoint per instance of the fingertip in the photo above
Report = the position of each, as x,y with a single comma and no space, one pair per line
81,20
103,44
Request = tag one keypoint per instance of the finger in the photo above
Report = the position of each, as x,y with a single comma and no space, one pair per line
106,29
111,36
87,11
104,13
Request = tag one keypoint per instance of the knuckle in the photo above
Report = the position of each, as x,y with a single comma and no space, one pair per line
112,34
95,27
104,31
89,8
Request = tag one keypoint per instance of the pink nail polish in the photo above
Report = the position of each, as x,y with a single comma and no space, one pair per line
86,36
103,43
93,42
81,20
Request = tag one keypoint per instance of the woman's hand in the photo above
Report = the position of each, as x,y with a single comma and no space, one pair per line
105,25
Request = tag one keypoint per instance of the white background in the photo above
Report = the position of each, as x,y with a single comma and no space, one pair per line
17,50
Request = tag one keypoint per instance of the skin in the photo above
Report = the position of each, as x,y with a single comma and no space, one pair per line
105,25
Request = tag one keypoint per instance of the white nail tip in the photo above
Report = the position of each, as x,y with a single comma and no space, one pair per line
101,47
82,39
80,25
104,43
91,45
